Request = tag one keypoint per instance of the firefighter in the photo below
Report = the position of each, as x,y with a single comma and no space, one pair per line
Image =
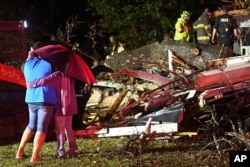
202,27
183,29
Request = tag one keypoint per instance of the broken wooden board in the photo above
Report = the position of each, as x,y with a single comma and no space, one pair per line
127,130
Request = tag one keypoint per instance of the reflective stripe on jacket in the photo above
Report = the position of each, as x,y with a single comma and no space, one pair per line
203,28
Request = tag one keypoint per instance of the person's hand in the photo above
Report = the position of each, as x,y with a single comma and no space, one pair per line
236,38
58,73
212,41
27,85
184,29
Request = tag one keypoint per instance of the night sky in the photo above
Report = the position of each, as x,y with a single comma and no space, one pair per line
44,17
51,13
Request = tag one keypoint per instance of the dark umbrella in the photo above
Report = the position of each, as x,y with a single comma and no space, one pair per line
67,61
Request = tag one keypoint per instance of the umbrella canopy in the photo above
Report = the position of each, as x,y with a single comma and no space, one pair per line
67,61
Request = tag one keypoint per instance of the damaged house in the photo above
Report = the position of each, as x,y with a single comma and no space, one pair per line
169,88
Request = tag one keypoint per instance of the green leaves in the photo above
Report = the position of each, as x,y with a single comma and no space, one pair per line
136,23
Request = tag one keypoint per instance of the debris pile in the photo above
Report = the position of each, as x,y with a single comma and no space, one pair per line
171,92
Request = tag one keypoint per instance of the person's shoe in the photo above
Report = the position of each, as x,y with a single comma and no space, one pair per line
74,154
36,160
20,157
59,155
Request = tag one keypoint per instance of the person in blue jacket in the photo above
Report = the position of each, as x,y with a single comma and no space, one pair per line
42,102
64,112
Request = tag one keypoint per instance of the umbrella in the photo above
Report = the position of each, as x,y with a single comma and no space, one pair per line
67,61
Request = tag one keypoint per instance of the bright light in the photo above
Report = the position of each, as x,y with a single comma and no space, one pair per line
25,24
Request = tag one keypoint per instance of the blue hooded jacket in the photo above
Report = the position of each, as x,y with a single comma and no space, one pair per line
33,69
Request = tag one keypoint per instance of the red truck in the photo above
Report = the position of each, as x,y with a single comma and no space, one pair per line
13,110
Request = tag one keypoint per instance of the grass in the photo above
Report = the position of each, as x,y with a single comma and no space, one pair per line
120,152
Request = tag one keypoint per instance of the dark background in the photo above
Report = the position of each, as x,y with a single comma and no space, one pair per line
45,17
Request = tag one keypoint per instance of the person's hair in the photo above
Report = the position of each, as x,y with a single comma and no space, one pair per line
37,45
224,8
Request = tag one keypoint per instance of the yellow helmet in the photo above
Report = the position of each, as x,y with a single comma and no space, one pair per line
185,14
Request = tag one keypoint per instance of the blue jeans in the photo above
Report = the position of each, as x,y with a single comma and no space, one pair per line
64,131
40,117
